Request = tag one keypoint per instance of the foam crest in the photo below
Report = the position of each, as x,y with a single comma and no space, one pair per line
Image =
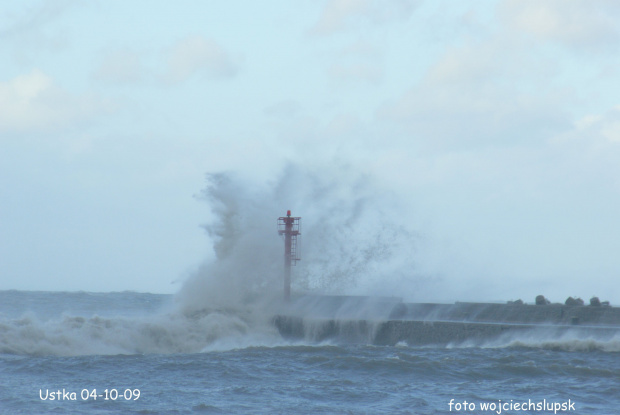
163,333
570,340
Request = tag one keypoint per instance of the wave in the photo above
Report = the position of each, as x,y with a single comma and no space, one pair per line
570,341
221,330
72,335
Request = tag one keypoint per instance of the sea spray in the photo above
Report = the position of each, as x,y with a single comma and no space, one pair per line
354,240
114,327
95,335
354,243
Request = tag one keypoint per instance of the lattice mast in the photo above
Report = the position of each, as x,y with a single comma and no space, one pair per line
290,227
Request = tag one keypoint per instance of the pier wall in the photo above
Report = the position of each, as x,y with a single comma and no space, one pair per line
393,332
508,313
389,321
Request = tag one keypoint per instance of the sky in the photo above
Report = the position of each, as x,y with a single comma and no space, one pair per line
492,126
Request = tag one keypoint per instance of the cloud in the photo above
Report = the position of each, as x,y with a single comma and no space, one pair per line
359,61
339,15
578,23
463,105
33,102
479,93
362,49
508,89
194,55
286,109
37,17
29,32
602,128
356,72
120,66
337,12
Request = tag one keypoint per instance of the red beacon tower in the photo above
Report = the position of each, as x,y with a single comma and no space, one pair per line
290,227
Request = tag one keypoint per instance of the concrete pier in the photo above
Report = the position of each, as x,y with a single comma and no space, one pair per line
388,321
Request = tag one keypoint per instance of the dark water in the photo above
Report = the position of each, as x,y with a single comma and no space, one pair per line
222,364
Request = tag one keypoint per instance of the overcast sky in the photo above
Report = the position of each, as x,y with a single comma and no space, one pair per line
496,125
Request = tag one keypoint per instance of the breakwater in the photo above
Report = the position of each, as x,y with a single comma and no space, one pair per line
389,321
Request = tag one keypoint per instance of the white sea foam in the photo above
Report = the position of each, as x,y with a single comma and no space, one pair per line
162,333
554,339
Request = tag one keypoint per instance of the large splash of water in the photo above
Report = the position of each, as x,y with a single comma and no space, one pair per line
352,242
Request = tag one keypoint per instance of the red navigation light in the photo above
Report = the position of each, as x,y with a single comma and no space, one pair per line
288,213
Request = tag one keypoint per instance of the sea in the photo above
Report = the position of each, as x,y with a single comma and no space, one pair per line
140,353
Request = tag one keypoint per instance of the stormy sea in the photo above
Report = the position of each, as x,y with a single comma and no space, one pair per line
214,346
139,353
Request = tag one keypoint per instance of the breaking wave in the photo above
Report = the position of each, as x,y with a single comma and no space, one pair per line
227,329
549,339
230,301
170,333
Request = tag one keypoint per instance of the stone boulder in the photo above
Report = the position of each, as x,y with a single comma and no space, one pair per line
573,301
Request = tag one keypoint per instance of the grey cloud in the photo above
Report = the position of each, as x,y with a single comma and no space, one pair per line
36,17
339,15
357,71
120,66
604,128
447,117
478,94
34,102
283,109
194,55
580,24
